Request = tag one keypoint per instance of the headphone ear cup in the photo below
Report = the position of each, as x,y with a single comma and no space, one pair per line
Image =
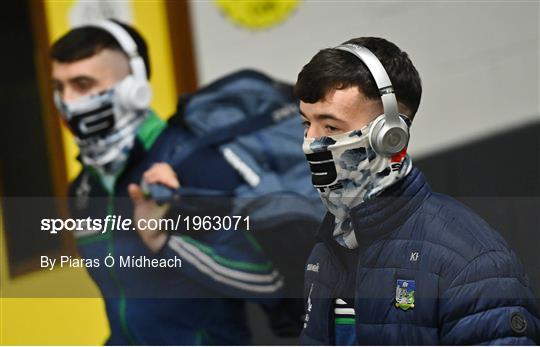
388,140
134,94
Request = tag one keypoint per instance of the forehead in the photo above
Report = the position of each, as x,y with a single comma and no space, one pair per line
105,64
340,103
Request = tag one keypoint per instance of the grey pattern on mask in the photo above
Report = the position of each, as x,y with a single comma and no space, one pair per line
350,158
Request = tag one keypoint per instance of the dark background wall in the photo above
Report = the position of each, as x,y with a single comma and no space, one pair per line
499,178
26,167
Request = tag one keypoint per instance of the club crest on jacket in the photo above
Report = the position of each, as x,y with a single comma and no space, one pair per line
405,294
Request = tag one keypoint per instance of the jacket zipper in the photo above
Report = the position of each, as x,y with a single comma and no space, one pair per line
343,277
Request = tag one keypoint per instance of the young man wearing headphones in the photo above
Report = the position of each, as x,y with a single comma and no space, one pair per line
100,73
395,263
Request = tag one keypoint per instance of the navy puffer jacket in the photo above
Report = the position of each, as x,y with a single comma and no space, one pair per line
465,286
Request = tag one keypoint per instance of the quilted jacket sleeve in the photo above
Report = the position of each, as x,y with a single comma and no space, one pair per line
489,302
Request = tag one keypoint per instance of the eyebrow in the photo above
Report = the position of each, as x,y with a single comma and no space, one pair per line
324,116
76,79
82,78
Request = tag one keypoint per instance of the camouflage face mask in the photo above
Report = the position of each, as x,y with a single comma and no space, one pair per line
346,171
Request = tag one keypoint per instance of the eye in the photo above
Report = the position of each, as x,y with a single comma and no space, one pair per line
58,87
331,128
306,124
83,86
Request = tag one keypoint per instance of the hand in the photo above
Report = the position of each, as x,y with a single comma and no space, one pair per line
147,209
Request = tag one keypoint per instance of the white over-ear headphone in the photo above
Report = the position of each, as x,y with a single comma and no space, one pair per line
134,92
390,133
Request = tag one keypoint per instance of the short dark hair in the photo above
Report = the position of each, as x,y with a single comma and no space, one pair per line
332,69
83,42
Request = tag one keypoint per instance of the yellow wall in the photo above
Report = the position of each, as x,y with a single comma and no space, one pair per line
78,321
37,321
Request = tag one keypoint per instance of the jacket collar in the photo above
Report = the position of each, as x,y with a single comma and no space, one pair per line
374,218
147,135
383,214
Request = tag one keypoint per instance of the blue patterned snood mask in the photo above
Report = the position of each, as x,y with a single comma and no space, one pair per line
346,171
104,130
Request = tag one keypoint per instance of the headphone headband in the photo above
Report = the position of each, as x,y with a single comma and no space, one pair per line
128,45
382,80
